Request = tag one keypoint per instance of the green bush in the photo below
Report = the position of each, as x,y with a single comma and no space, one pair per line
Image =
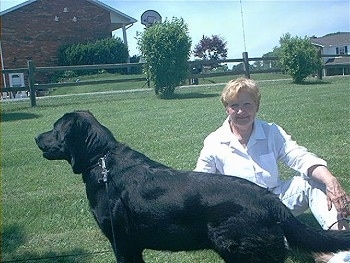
298,57
135,70
105,51
166,50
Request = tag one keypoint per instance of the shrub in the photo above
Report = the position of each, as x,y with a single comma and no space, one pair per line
298,57
166,50
105,51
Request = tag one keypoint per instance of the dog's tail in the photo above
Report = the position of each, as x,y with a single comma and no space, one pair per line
311,239
304,237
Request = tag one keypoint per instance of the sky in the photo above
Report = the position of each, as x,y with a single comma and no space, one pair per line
246,25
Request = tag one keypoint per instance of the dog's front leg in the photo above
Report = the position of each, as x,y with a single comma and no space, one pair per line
129,257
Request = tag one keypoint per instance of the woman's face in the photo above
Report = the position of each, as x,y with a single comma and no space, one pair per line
242,110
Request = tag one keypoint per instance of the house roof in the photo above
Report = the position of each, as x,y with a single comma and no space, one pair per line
16,7
338,61
118,19
335,39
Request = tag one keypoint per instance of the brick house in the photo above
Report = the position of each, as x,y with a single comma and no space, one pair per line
36,29
334,44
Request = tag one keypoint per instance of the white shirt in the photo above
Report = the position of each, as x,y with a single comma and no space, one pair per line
223,153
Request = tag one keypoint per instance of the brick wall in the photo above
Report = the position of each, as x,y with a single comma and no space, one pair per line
37,30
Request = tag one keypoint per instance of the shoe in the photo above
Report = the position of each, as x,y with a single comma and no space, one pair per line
340,257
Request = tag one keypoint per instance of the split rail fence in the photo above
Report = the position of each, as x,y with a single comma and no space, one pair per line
33,87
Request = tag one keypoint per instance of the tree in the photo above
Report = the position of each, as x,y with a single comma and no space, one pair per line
271,64
166,50
298,57
211,48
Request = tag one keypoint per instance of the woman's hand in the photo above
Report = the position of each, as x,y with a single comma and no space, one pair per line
336,195
339,198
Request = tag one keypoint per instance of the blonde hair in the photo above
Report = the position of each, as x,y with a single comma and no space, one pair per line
233,87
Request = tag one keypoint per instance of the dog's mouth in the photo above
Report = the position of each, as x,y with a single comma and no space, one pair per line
54,155
41,146
49,152
48,155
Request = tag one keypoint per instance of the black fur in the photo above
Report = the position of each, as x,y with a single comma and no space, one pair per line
154,206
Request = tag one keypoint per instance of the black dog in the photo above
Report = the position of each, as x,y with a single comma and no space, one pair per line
139,203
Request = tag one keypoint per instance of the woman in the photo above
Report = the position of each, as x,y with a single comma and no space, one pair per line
251,148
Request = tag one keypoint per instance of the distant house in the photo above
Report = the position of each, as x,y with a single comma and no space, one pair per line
36,29
334,44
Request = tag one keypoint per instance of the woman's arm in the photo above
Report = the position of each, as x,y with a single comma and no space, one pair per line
335,193
205,162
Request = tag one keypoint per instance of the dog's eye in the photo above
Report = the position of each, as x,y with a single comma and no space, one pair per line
56,135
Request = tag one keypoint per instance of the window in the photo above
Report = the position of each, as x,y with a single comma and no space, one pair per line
342,50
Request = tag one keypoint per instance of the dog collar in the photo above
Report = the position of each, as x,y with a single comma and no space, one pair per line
105,171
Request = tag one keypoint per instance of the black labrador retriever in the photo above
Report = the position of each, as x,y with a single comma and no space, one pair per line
139,203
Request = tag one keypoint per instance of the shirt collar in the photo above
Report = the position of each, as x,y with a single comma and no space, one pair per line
257,133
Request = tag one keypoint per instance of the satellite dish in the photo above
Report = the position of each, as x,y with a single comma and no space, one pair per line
150,17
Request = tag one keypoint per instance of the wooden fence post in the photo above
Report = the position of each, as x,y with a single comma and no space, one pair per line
32,92
148,80
320,71
246,65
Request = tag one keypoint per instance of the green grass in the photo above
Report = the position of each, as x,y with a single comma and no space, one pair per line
100,87
44,208
136,84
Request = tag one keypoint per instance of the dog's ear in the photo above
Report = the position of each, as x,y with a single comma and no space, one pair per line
76,132
86,141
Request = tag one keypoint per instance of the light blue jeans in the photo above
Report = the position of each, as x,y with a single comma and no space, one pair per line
299,194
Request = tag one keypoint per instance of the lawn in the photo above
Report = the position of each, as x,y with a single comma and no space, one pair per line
131,85
45,214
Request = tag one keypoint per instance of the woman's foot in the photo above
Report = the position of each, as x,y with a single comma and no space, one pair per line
340,257
323,257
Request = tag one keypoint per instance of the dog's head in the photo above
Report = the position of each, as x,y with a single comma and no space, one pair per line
76,137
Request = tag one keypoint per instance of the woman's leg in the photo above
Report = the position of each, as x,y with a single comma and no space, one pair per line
299,194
